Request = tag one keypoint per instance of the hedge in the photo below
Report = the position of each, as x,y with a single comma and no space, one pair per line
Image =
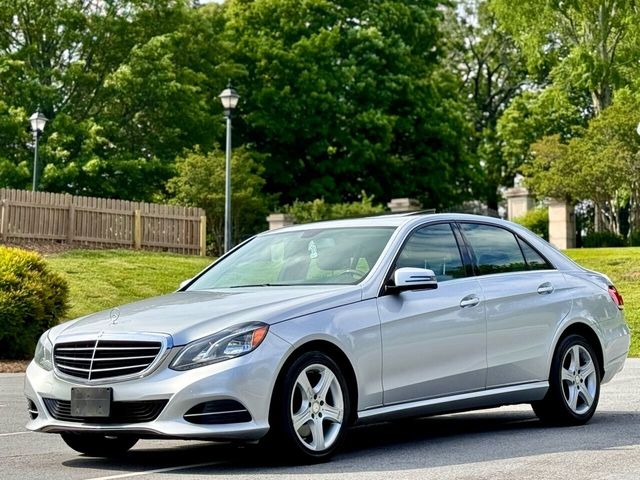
32,299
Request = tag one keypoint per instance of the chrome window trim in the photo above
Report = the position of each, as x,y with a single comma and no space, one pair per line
166,344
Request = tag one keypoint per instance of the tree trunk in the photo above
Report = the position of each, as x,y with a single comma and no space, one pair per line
601,98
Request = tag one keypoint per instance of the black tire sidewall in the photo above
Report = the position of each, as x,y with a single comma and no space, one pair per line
555,380
97,445
282,418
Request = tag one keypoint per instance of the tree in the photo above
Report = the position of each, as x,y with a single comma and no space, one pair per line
583,44
493,72
602,165
122,83
346,97
533,115
200,182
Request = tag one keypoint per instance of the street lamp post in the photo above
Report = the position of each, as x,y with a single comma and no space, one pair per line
38,121
229,98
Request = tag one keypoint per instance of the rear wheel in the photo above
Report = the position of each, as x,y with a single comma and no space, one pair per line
311,409
98,445
574,384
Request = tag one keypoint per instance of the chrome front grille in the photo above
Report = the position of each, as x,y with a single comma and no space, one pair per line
105,358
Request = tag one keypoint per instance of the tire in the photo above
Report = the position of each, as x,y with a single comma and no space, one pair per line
97,445
310,410
573,393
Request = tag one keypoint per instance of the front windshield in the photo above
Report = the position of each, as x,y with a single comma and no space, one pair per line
341,256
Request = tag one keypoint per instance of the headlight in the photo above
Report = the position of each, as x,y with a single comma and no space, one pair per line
221,346
44,352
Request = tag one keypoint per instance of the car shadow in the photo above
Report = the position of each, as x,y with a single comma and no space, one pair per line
402,445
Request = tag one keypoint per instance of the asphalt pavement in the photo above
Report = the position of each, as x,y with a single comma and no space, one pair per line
504,443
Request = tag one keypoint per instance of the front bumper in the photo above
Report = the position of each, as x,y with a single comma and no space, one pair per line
248,379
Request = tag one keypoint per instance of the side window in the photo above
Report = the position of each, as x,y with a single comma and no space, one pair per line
435,248
496,250
533,258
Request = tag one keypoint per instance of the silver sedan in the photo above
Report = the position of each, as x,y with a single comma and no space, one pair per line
301,332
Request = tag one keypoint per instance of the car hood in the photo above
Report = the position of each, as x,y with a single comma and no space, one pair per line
191,315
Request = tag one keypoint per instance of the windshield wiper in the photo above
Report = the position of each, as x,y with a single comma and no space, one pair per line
265,285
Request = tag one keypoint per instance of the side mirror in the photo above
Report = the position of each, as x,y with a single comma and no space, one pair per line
184,283
408,278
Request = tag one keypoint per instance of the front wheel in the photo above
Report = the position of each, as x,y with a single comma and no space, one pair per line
574,384
311,409
97,445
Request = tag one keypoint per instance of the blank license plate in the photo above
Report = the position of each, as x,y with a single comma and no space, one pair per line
91,402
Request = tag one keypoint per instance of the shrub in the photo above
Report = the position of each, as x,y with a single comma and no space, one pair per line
32,299
536,220
318,209
602,239
634,239
200,182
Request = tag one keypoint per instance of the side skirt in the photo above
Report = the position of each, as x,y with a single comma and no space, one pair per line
496,397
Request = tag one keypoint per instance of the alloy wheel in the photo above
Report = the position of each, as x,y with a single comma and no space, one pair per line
317,407
578,379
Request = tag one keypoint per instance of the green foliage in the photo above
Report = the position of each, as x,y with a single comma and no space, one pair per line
338,97
126,86
602,165
492,71
536,220
32,299
350,96
534,115
318,209
634,239
603,239
200,182
584,44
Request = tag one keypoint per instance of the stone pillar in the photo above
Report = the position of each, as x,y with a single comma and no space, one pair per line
519,202
562,225
399,205
279,220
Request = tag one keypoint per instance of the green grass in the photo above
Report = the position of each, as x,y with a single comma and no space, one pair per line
101,279
622,265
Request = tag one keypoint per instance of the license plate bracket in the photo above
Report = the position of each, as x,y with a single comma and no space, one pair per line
91,402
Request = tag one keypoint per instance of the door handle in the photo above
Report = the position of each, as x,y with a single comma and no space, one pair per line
545,289
469,301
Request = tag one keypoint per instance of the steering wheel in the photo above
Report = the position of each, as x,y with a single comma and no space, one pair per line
355,274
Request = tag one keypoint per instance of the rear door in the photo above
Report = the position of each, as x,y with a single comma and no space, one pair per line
525,298
433,341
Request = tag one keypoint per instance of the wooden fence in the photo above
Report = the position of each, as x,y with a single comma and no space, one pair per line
27,216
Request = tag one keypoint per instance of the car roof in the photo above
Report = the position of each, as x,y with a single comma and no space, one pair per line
392,220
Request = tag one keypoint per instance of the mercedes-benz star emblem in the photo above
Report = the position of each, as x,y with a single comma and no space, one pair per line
114,315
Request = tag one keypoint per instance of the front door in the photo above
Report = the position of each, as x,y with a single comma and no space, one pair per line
433,341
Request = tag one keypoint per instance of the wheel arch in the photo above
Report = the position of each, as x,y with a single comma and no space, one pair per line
337,354
589,334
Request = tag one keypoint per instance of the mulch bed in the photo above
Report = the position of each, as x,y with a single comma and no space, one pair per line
43,248
13,366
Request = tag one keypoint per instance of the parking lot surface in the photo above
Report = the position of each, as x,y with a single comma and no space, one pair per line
504,443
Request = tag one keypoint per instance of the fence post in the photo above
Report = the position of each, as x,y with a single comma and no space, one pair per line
203,236
71,226
137,229
3,220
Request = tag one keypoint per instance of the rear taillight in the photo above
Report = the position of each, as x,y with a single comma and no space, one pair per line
616,297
